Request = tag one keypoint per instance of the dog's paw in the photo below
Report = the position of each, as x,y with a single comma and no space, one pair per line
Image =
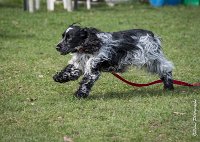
169,88
80,94
55,77
59,78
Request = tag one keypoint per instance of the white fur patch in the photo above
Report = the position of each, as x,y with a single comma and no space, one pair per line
149,54
106,51
70,28
80,60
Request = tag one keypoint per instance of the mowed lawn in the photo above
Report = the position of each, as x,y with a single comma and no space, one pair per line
34,108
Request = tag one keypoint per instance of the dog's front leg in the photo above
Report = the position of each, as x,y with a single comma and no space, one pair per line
67,74
86,84
91,75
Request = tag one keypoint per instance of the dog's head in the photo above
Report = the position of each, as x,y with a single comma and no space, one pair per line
77,39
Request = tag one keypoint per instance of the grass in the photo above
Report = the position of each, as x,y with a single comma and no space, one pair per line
33,108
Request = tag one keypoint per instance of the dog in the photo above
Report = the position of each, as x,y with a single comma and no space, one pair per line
94,51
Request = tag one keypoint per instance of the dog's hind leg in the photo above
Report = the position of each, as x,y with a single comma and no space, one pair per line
155,60
67,74
168,81
163,68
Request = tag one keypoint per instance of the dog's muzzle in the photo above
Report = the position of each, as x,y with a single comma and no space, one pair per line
61,49
64,50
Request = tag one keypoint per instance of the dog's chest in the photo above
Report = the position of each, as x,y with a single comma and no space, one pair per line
80,60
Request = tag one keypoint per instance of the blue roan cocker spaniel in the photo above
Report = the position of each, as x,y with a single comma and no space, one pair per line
94,51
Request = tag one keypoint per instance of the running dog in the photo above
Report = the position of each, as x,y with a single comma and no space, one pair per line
94,51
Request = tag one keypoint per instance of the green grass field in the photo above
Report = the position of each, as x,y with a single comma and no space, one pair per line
33,108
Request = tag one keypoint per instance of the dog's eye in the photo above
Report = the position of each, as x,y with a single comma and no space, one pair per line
67,36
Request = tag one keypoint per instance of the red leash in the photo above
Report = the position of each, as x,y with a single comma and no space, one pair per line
154,82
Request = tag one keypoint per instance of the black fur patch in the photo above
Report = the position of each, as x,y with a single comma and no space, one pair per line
67,74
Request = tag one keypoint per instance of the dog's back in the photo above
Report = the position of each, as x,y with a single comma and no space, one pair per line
132,32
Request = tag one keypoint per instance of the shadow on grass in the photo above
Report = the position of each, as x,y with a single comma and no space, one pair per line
144,92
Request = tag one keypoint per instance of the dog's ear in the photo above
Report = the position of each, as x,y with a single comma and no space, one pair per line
92,42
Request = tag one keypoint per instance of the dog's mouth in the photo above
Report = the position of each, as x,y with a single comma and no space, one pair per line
62,53
65,52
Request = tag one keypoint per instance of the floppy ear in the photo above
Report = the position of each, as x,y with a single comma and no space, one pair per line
92,43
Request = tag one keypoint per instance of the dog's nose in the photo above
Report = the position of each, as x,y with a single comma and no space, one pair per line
58,46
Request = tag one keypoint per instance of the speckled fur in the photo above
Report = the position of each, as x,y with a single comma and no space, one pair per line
94,51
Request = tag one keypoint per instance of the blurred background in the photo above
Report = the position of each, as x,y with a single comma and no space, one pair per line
70,5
